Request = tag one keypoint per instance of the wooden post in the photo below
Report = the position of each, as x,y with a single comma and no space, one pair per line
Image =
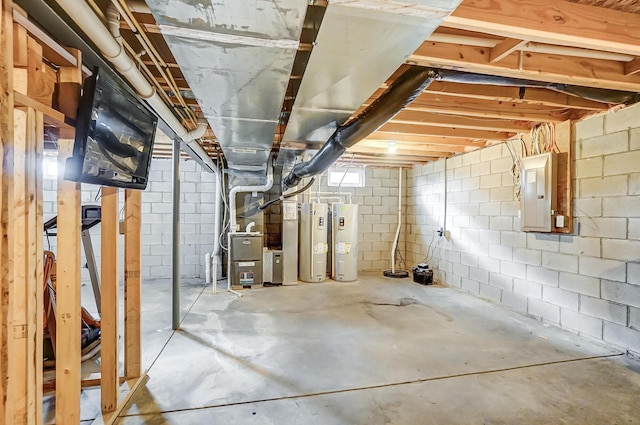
564,187
110,305
68,317
132,288
6,190
68,323
24,383
25,299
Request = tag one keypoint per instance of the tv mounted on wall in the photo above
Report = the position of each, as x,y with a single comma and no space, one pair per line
115,132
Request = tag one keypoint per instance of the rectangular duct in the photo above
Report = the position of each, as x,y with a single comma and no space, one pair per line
237,57
359,45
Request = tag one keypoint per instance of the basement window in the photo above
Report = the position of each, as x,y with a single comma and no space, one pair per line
346,177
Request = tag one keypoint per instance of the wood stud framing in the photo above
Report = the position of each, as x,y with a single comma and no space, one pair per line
132,288
110,300
68,298
27,104
6,193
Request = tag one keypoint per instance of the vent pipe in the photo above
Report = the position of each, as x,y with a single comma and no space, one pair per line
394,99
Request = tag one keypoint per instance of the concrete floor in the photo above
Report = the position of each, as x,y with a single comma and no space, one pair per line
377,351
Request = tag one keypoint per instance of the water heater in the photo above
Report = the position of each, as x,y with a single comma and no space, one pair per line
313,242
344,255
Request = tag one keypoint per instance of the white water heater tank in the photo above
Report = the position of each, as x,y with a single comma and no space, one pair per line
344,253
313,242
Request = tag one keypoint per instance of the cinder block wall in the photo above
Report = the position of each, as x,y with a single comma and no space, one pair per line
196,219
588,282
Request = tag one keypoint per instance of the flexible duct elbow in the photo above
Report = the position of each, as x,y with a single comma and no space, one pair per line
394,99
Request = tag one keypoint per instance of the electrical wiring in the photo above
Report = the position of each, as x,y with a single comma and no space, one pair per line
225,215
515,167
543,139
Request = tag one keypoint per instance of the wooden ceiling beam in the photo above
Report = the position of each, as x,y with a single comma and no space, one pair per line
384,152
391,161
552,22
429,140
410,147
527,96
597,73
458,133
445,120
429,102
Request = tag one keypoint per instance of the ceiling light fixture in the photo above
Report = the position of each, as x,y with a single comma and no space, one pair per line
392,146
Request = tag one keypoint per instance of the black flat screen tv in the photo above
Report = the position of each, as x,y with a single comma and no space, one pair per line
115,132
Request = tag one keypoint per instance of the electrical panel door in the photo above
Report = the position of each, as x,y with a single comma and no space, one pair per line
538,192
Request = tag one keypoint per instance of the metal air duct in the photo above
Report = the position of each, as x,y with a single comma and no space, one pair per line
237,57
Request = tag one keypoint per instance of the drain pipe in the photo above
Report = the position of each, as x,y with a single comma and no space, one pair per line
216,232
394,99
395,240
233,226
82,14
399,273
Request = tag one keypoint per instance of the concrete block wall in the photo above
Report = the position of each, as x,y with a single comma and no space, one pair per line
587,282
196,219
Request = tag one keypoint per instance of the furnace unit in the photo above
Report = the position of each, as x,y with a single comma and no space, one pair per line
313,242
246,259
344,253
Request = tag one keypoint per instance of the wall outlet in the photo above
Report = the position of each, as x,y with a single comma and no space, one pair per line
440,231
559,221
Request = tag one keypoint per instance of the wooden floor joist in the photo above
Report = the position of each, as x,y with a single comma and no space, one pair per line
597,73
551,22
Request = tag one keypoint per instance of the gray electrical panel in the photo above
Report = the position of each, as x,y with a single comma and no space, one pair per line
246,259
313,242
538,192
344,253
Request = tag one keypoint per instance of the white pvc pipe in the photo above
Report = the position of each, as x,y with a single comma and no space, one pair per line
395,240
216,231
207,268
243,189
82,14
337,194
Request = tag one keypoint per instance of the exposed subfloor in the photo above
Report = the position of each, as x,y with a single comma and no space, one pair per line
376,351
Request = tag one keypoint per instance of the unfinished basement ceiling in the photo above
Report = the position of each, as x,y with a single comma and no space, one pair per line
591,43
